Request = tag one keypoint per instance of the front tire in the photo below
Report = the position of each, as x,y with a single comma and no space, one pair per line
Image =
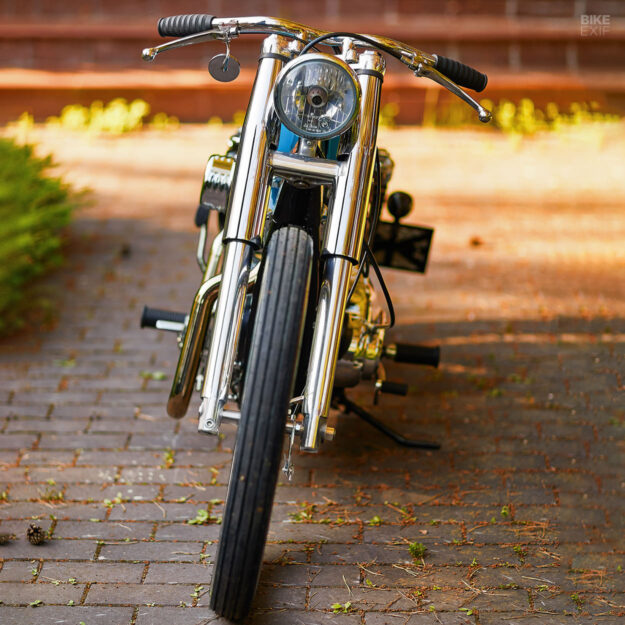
267,391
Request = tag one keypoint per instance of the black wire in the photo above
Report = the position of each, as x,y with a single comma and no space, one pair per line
312,44
362,38
377,207
358,274
368,254
387,295
273,32
362,271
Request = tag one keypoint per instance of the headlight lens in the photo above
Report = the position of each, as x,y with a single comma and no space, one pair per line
317,96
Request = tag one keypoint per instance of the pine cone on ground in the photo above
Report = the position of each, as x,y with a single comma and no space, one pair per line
6,538
35,534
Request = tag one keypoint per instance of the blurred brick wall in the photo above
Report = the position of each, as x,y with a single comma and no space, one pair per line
513,34
532,39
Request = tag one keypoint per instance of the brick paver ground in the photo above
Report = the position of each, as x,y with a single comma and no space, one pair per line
521,511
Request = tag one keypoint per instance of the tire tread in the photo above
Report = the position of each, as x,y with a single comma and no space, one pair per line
267,391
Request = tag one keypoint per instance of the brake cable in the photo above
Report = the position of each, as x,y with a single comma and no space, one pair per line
368,254
354,36
281,33
387,295
377,208
362,269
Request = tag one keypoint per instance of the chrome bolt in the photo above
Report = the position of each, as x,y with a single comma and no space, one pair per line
327,432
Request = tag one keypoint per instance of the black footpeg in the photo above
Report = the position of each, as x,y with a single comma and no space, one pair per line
392,388
163,319
388,387
414,354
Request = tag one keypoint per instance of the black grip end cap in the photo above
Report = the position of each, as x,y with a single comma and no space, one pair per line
201,215
150,316
418,354
145,318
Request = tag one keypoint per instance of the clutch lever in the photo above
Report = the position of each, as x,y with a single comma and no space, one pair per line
225,32
433,74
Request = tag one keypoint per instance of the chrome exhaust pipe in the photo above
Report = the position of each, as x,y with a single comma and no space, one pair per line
191,349
193,343
226,329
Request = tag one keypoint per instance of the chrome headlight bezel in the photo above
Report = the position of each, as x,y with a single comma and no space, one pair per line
296,63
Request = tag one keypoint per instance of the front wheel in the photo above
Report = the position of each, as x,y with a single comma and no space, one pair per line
267,391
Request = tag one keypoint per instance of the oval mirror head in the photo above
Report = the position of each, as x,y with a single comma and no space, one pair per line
224,67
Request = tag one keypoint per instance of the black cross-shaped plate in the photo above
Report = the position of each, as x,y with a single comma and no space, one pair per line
402,247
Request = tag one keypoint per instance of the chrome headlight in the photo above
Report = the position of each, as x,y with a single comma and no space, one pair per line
317,96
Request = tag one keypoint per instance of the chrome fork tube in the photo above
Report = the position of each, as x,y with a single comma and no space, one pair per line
341,249
325,345
348,214
242,231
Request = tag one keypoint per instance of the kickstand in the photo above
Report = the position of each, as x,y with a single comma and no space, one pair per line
350,406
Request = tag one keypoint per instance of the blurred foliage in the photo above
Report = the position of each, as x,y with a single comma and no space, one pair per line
117,117
162,121
21,128
388,113
34,207
238,117
524,118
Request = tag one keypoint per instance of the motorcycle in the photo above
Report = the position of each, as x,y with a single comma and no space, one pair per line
286,318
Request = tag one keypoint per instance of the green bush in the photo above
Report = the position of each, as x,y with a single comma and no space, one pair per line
34,207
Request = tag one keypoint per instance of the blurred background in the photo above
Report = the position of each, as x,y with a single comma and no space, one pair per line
538,192
77,51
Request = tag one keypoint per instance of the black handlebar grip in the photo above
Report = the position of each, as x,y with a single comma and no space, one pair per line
184,25
151,315
418,354
460,73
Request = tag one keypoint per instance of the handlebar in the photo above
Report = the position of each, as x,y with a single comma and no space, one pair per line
199,28
193,24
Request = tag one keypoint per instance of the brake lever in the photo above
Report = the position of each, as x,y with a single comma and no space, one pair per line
433,74
225,33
